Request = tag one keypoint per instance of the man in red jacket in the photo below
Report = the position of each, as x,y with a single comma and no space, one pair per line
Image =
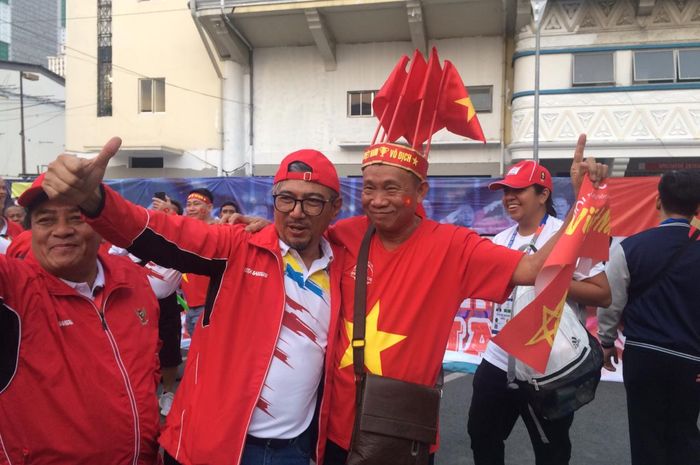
8,229
78,348
250,393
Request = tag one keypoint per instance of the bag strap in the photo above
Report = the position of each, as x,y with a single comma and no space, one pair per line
360,312
657,277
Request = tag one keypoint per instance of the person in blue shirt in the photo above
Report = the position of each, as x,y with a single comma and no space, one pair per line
655,281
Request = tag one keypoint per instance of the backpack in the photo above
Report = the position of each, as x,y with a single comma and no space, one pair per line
573,370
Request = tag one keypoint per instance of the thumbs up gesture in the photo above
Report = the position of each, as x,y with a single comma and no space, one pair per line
77,180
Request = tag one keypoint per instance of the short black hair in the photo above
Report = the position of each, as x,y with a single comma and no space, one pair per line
679,192
203,191
177,205
232,203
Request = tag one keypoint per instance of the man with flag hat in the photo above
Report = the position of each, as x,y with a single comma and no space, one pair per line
78,347
250,393
418,271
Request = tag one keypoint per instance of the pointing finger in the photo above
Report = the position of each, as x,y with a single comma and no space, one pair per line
580,146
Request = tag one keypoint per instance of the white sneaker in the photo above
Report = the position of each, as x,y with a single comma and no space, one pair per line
166,402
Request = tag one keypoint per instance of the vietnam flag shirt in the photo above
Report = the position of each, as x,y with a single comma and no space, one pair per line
413,293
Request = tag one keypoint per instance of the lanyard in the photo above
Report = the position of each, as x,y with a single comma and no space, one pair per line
531,245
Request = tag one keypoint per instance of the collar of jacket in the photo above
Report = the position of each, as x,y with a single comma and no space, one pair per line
116,276
268,239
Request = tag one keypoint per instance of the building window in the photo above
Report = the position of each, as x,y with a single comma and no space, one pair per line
482,98
4,50
152,95
689,65
146,162
593,69
360,103
654,66
104,57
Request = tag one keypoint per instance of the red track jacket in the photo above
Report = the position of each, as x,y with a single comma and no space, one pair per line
237,334
76,388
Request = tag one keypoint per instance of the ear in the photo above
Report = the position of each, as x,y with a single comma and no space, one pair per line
337,205
658,203
422,190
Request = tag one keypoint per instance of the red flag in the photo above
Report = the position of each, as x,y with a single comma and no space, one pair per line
530,334
421,114
455,109
387,97
409,95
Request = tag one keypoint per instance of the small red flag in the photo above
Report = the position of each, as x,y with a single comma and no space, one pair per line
530,334
387,97
455,109
421,114
410,93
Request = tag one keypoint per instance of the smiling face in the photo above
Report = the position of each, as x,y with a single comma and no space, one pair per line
199,209
525,204
390,196
63,243
299,230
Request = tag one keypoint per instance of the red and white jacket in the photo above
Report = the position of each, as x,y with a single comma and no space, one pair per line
238,331
77,380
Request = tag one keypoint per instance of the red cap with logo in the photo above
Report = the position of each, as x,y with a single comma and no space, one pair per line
322,170
524,174
28,196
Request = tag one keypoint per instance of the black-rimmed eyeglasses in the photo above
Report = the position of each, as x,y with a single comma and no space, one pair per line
311,206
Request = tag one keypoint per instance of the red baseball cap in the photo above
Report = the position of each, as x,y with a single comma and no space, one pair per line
524,174
29,196
322,170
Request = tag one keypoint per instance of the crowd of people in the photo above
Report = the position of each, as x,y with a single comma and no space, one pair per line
90,320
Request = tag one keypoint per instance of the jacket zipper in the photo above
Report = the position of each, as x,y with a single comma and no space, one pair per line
269,362
123,372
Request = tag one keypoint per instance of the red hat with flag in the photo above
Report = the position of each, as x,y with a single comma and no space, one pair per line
524,174
322,170
415,105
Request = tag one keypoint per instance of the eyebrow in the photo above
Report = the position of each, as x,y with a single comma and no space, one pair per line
303,196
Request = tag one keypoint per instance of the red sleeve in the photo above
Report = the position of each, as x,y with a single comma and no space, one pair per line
178,242
488,268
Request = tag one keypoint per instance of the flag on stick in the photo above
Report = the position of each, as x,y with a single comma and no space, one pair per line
455,109
386,99
399,124
530,334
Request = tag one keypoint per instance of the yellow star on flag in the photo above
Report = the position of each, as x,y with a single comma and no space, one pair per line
467,102
550,317
376,341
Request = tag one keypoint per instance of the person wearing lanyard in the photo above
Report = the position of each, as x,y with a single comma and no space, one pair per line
527,197
654,276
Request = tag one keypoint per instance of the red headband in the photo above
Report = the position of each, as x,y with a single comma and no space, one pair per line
200,197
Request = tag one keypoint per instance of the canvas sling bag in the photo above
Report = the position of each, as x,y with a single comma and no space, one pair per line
395,421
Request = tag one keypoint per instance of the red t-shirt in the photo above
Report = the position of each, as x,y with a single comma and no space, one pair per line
413,294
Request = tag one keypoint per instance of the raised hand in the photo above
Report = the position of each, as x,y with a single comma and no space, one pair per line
77,180
579,167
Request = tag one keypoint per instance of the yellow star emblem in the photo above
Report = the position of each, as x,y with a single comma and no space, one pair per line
550,324
467,102
376,341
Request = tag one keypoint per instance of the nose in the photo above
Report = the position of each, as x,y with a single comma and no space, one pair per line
297,211
63,228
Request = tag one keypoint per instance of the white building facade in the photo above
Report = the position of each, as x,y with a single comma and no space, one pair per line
34,96
626,72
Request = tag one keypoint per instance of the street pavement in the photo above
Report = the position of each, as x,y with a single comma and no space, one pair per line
599,433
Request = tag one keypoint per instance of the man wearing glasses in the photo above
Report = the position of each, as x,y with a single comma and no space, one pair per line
250,391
